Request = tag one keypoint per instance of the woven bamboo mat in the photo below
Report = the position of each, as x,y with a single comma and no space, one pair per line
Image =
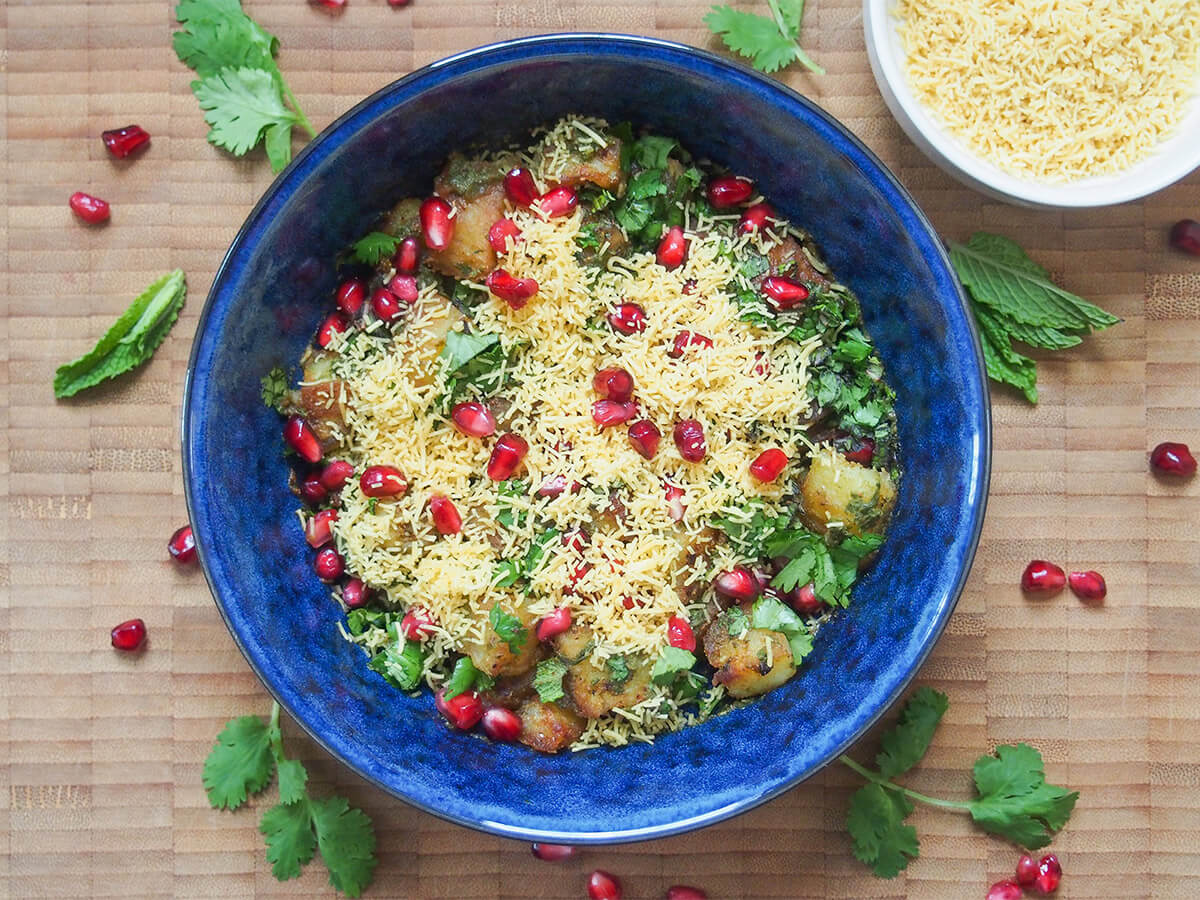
101,753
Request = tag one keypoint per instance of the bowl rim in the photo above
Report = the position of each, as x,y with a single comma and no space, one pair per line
1146,176
547,44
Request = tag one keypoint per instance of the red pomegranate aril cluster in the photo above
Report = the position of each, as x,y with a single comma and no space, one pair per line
329,564
129,636
613,384
1004,890
501,724
506,456
182,546
355,593
689,440
607,413
784,293
769,465
501,233
603,886
755,218
644,437
463,711
737,584
437,223
672,249
407,256
1041,577
473,419
382,481
684,892
559,201
554,623
680,634
1185,236
90,209
335,474
350,296
726,191
318,530
417,624
335,323
300,437
404,288
516,292
552,852
519,187
1174,459
121,142
445,515
1088,586
627,318
386,305
686,339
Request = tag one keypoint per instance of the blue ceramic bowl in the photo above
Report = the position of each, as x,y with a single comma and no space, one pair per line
275,285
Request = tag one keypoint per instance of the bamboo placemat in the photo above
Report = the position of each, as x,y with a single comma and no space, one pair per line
101,752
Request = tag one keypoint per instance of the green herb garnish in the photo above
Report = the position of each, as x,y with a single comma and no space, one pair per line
547,680
618,670
773,615
400,662
770,42
373,247
275,389
508,628
671,661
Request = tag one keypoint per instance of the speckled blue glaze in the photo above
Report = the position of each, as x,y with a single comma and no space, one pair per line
275,284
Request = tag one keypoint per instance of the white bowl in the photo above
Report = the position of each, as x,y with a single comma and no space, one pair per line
1174,159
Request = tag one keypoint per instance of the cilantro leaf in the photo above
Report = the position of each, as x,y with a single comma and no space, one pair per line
876,825
737,622
547,680
1014,799
769,42
671,661
290,840
400,663
219,35
508,627
130,341
292,778
618,670
906,743
461,679
275,389
770,613
710,700
537,551
472,361
240,762
240,105
507,574
346,840
373,247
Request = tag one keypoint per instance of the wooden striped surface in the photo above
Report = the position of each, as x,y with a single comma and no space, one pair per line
101,753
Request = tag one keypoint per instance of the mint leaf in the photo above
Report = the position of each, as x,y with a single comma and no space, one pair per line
508,627
618,670
671,661
240,105
347,844
547,680
290,840
1014,799
1003,363
240,762
907,742
373,247
880,837
771,614
130,341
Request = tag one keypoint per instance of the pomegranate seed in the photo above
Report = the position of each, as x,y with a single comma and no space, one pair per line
383,481
437,223
473,419
404,287
804,600
1027,870
90,209
627,318
1088,586
559,201
762,365
552,852
355,594
1049,874
335,475
686,339
738,584
350,296
553,486
755,218
576,539
519,186
863,453
729,190
462,711
672,249
445,515
1041,577
328,4
501,724
784,293
386,305
510,449
602,886
128,636
513,291
335,323
300,437
120,142
607,413
769,465
418,623
683,892
1004,890
312,491
675,507
680,634
579,572
501,233
398,4
644,436
329,564
182,546
1185,236
613,384
318,530
408,256
1171,458
689,439
554,623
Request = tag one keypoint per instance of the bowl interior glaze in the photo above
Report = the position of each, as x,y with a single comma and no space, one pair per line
276,283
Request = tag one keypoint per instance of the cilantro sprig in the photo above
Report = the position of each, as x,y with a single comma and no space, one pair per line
247,753
1012,798
240,88
770,42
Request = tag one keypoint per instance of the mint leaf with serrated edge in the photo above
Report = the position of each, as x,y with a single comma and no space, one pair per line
906,743
547,679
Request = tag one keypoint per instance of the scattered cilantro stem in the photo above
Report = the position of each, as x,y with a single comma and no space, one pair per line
302,119
911,794
801,57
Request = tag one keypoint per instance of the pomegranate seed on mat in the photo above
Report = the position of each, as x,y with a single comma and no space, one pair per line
90,209
473,419
560,201
318,530
386,305
335,323
501,724
686,339
607,413
1041,577
313,491
1027,870
350,296
355,593
519,186
397,4
129,636
446,518
1088,586
516,292
1049,874
120,142
300,437
1004,890
329,564
683,892
803,599
335,475
729,190
689,440
552,852
182,546
738,584
672,249
554,623
1173,458
1185,236
418,623
331,5
407,256
644,436
627,318
463,711
437,223
680,634
510,449
755,218
602,886
784,293
501,233
769,465
383,481
404,287
613,384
